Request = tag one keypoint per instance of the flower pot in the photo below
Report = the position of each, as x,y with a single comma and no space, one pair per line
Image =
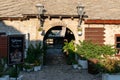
29,70
92,69
75,66
18,78
110,77
37,68
83,63
6,77
79,68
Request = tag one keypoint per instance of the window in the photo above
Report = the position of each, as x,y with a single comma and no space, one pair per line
117,41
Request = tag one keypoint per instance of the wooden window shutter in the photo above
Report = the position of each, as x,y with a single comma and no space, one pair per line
96,35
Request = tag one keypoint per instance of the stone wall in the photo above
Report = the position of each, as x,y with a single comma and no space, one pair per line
21,27
31,26
110,31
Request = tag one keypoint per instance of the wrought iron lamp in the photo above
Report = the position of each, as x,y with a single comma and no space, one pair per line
80,11
41,10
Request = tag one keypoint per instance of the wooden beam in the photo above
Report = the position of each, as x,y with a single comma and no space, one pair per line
98,21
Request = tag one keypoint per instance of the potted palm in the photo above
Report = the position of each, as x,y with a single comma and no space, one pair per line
34,56
14,73
37,65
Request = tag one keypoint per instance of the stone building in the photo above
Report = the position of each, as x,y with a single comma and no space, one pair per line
60,21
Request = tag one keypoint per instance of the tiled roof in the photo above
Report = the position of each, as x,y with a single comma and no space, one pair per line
95,9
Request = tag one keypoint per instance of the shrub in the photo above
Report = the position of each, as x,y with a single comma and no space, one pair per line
69,48
109,65
1,70
33,53
12,71
89,50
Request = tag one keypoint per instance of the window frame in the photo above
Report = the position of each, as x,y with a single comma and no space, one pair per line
116,42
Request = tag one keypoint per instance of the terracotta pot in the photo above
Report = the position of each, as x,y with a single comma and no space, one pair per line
93,60
91,66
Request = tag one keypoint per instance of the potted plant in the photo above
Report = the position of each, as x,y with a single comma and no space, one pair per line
79,67
83,62
75,64
34,56
37,65
110,68
69,50
28,67
93,52
14,73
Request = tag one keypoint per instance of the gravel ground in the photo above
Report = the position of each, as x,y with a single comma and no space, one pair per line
59,72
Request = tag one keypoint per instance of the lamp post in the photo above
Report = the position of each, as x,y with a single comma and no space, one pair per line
80,11
40,8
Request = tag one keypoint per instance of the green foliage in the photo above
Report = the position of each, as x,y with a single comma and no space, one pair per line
69,48
12,72
109,65
108,50
3,61
70,57
33,53
1,69
27,66
74,62
89,50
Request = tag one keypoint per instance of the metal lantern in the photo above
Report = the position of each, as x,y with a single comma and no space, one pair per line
40,8
80,10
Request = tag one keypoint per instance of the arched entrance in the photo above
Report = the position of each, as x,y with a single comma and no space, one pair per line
54,40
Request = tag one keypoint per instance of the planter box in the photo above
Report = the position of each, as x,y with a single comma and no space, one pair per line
18,78
6,77
83,63
110,77
37,68
92,69
75,66
28,70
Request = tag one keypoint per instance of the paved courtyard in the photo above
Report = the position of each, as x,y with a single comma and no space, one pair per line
59,72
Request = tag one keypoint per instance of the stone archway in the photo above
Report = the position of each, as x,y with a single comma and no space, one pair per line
54,40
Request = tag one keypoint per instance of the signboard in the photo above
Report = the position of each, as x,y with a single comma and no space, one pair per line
15,49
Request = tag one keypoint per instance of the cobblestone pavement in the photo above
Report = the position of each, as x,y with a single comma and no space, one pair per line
59,72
